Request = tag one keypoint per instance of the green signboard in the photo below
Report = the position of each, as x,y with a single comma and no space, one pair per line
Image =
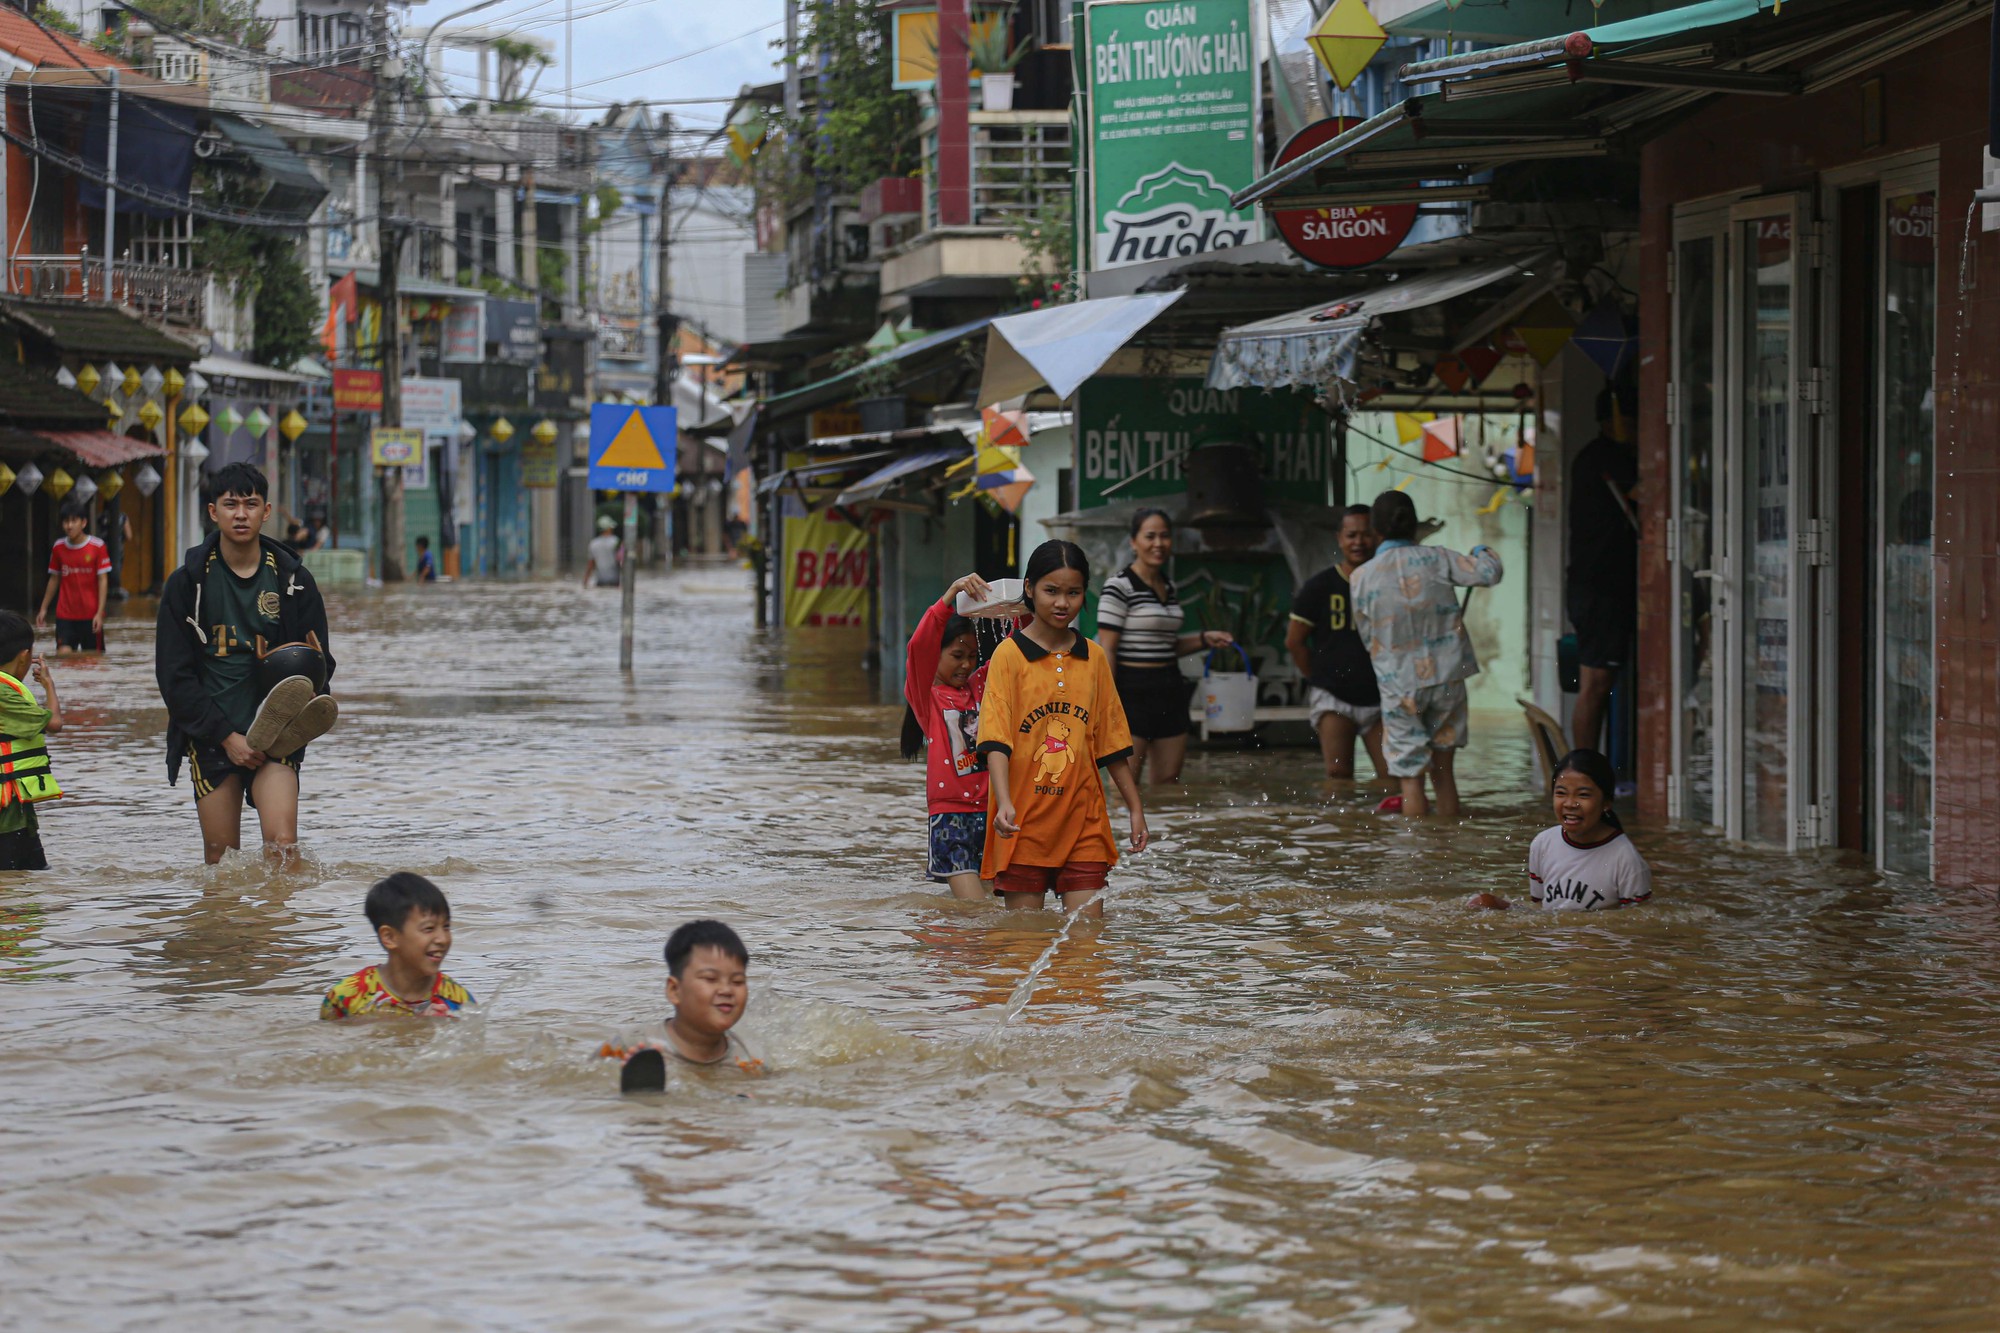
1172,127
1127,426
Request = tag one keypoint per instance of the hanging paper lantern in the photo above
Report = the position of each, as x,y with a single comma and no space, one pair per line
501,431
113,377
64,378
59,483
109,483
292,425
88,379
6,478
193,451
1545,327
1603,337
29,479
1440,439
467,432
151,414
192,419
152,379
997,471
117,417
257,423
545,431
1452,373
1410,425
1480,361
197,384
1346,39
132,381
227,420
174,382
83,488
147,479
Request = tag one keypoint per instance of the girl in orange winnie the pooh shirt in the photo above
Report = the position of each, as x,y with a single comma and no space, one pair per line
1050,720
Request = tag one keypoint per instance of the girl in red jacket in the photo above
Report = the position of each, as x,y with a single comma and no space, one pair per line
943,681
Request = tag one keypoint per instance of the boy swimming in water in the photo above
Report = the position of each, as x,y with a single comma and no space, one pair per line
413,922
708,985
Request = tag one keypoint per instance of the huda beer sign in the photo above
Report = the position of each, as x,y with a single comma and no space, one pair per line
1173,99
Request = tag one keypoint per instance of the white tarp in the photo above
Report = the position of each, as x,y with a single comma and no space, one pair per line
1313,347
1062,345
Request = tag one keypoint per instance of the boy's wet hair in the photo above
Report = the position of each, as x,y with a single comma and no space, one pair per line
1358,511
392,900
17,635
703,934
1394,516
76,509
239,479
423,543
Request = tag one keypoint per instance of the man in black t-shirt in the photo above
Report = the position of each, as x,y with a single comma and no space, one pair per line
1603,582
1342,697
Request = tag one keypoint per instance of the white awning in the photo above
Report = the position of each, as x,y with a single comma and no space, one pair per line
1313,347
1062,345
214,366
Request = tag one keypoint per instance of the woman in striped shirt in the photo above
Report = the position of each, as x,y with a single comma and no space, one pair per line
1139,628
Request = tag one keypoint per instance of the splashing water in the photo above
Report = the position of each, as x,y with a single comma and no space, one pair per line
1024,990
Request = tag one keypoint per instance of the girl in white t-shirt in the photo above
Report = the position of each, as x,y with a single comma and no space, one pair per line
1585,862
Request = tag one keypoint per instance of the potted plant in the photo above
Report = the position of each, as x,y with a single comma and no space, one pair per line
991,50
875,398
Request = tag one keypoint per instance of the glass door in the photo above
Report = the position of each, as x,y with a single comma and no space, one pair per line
1698,570
1772,549
1905,668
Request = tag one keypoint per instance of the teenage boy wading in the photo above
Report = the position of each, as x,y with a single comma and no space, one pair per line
243,738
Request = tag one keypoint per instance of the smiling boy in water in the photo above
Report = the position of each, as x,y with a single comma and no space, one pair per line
708,984
413,922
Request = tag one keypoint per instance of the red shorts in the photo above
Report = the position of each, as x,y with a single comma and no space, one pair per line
1076,877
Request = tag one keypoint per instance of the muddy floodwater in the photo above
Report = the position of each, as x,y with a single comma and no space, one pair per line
1289,1083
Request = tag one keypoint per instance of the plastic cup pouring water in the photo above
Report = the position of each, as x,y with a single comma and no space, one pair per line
1007,598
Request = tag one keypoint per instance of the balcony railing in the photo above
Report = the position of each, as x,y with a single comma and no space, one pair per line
169,295
1020,165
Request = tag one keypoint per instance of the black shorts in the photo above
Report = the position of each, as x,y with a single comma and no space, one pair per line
209,768
1156,701
1606,625
22,850
79,634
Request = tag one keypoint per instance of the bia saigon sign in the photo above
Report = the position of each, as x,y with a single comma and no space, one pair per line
1343,237
1173,100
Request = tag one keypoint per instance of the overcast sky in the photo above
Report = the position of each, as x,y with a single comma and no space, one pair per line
695,48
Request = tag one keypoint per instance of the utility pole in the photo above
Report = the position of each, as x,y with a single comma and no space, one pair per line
389,244
792,62
111,190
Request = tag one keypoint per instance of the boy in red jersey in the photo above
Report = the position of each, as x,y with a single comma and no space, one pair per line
80,571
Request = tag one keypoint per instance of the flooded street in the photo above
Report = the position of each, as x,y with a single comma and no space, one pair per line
1289,1083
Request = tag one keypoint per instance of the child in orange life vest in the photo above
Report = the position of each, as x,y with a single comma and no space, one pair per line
24,767
942,683
1050,719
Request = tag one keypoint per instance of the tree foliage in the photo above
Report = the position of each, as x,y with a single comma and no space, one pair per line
862,129
234,21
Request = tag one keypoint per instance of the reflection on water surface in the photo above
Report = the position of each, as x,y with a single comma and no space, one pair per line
1289,1084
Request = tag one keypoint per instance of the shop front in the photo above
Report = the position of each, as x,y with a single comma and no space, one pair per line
1819,663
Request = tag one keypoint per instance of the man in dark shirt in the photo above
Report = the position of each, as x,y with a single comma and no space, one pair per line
1603,560
1342,697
